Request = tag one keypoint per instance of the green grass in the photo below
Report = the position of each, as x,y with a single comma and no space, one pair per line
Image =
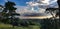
7,26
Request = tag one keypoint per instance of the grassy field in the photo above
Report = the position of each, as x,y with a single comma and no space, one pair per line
7,26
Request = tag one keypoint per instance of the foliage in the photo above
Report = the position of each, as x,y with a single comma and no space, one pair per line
9,13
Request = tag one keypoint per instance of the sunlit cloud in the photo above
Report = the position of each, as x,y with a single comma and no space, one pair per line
46,1
38,17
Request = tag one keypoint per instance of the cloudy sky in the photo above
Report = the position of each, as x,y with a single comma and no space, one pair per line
37,6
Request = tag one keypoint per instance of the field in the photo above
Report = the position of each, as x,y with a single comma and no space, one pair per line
7,26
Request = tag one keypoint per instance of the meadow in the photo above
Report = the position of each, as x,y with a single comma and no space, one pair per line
8,26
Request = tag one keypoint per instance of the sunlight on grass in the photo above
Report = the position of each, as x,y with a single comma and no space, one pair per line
5,25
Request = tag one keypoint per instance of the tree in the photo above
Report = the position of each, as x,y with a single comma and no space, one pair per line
9,11
1,8
58,1
52,11
55,23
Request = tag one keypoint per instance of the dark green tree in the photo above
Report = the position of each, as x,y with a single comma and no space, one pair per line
58,14
52,11
9,12
1,8
58,1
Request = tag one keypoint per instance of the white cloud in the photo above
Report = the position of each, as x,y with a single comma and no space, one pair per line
41,10
35,3
46,1
53,1
43,3
26,9
23,9
32,4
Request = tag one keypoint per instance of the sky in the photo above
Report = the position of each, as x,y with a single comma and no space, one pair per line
23,2
35,6
18,2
